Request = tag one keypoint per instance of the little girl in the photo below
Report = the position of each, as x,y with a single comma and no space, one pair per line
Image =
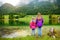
33,25
39,23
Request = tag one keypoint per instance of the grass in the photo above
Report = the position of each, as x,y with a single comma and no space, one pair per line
28,18
31,38
25,21
44,37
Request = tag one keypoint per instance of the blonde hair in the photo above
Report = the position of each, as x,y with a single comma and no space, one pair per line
33,17
39,15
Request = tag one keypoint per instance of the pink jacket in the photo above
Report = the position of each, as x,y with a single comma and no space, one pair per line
32,25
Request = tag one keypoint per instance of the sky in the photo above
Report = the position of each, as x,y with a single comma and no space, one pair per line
16,2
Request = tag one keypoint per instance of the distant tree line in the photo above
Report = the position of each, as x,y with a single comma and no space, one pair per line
45,7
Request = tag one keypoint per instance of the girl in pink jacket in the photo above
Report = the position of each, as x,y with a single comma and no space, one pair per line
33,25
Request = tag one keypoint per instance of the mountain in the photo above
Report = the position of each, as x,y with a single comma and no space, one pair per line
6,8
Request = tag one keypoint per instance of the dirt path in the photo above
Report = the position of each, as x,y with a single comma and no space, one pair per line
18,33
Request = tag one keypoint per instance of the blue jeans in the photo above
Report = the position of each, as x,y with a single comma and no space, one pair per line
39,31
33,31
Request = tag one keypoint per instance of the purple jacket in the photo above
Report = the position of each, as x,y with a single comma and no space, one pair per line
39,22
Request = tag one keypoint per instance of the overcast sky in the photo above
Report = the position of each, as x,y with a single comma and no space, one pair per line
16,2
